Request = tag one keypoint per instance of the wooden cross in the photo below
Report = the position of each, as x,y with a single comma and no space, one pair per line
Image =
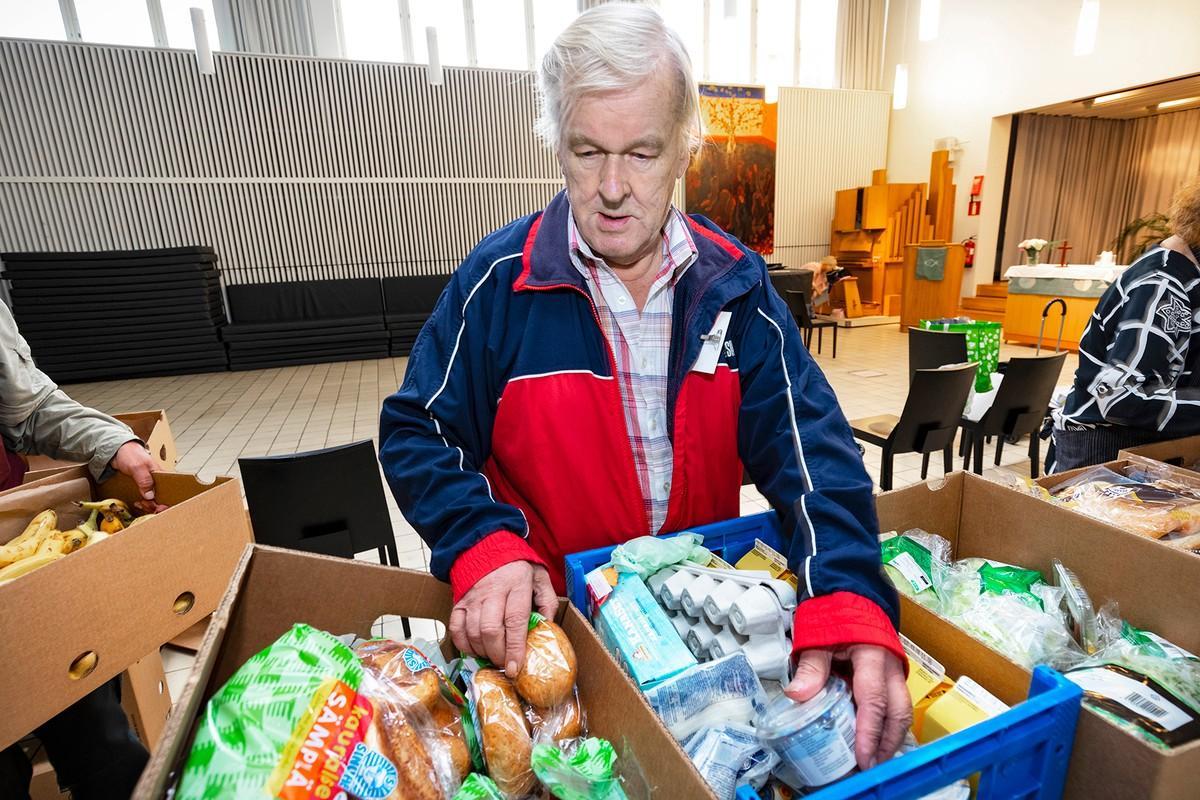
1063,248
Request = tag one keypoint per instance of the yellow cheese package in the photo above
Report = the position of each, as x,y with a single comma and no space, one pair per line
963,705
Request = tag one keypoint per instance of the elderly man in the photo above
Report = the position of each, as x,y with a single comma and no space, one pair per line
90,745
603,369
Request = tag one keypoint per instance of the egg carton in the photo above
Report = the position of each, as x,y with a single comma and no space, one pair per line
718,612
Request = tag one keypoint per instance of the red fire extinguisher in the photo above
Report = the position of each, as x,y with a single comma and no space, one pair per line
969,251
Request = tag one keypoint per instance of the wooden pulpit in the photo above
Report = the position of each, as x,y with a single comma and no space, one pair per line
933,272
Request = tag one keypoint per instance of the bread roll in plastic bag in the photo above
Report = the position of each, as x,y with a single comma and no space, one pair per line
303,719
564,721
503,730
547,677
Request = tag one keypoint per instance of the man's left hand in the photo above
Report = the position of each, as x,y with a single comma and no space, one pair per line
134,460
880,693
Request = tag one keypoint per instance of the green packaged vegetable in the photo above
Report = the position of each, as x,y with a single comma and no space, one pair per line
479,787
646,555
579,770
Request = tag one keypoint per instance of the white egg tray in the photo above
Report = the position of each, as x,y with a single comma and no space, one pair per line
718,612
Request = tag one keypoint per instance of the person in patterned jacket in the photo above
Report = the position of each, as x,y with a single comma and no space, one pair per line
1138,379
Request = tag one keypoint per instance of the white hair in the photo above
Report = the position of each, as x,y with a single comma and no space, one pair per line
615,47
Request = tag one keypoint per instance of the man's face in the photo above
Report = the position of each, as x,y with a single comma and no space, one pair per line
621,155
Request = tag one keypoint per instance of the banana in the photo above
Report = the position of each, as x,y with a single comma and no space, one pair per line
75,539
54,544
27,565
10,553
94,537
45,521
142,518
118,507
111,523
89,525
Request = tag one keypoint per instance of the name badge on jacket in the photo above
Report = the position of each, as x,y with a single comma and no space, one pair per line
710,351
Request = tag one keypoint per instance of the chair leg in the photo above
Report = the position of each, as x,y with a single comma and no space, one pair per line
968,445
1034,454
820,338
885,470
924,465
835,335
808,338
947,460
999,448
979,444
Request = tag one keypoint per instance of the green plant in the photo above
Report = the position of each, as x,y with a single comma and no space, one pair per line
1140,235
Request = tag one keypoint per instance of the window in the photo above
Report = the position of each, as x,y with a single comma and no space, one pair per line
31,19
500,33
371,30
684,17
177,19
776,42
550,17
729,42
447,17
115,22
818,35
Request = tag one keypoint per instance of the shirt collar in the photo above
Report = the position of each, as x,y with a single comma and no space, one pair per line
678,245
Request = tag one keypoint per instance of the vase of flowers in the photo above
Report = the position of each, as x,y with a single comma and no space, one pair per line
1032,248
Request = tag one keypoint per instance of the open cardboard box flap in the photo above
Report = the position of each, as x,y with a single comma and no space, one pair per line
1156,588
1183,453
272,589
120,599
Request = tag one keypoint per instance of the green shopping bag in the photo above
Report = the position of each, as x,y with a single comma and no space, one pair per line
983,346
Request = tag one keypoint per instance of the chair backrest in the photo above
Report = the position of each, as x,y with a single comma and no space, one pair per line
323,501
1024,396
933,410
933,349
796,279
797,302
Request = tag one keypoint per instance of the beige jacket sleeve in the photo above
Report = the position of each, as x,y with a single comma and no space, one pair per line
38,417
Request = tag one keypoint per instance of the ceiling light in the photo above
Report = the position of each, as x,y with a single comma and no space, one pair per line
927,31
900,88
1109,98
1183,101
1085,28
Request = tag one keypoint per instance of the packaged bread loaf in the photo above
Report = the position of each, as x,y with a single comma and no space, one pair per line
563,721
503,732
547,677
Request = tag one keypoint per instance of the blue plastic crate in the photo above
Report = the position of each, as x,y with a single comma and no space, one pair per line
1022,753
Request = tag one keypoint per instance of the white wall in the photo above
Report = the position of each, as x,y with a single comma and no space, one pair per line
991,59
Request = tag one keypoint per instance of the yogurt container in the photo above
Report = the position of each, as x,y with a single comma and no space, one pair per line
814,740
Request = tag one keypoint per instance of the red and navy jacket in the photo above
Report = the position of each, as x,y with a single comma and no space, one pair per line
507,439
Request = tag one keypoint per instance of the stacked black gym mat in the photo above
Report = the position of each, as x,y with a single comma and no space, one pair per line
410,301
305,322
119,313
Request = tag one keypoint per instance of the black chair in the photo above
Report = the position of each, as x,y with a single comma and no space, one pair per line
797,302
933,349
1020,408
927,424
324,501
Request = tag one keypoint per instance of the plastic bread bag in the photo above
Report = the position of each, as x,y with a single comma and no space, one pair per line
723,690
1142,682
1018,483
646,555
915,563
547,676
1139,503
559,723
578,769
499,719
302,718
416,681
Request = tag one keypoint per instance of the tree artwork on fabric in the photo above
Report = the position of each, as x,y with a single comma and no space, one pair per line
732,181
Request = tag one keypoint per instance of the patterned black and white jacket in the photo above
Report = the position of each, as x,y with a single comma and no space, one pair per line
1139,359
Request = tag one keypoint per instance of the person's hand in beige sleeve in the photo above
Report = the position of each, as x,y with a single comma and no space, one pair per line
134,460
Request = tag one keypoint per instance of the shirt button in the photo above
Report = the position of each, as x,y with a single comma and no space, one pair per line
666,486
645,363
620,300
653,424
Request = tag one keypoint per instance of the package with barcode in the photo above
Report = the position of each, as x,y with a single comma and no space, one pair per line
1143,683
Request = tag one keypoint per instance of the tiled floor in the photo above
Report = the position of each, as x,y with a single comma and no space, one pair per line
216,418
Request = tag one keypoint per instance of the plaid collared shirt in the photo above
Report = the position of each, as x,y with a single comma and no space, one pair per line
641,345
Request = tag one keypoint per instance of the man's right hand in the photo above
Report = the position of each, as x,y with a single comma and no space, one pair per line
492,618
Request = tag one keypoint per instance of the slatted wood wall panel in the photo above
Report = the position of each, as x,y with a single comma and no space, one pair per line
829,139
292,168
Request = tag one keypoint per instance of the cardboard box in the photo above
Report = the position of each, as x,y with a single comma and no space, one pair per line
1183,453
273,588
120,599
1156,587
149,426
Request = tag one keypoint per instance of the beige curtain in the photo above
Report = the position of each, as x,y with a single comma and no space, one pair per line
860,43
1170,156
